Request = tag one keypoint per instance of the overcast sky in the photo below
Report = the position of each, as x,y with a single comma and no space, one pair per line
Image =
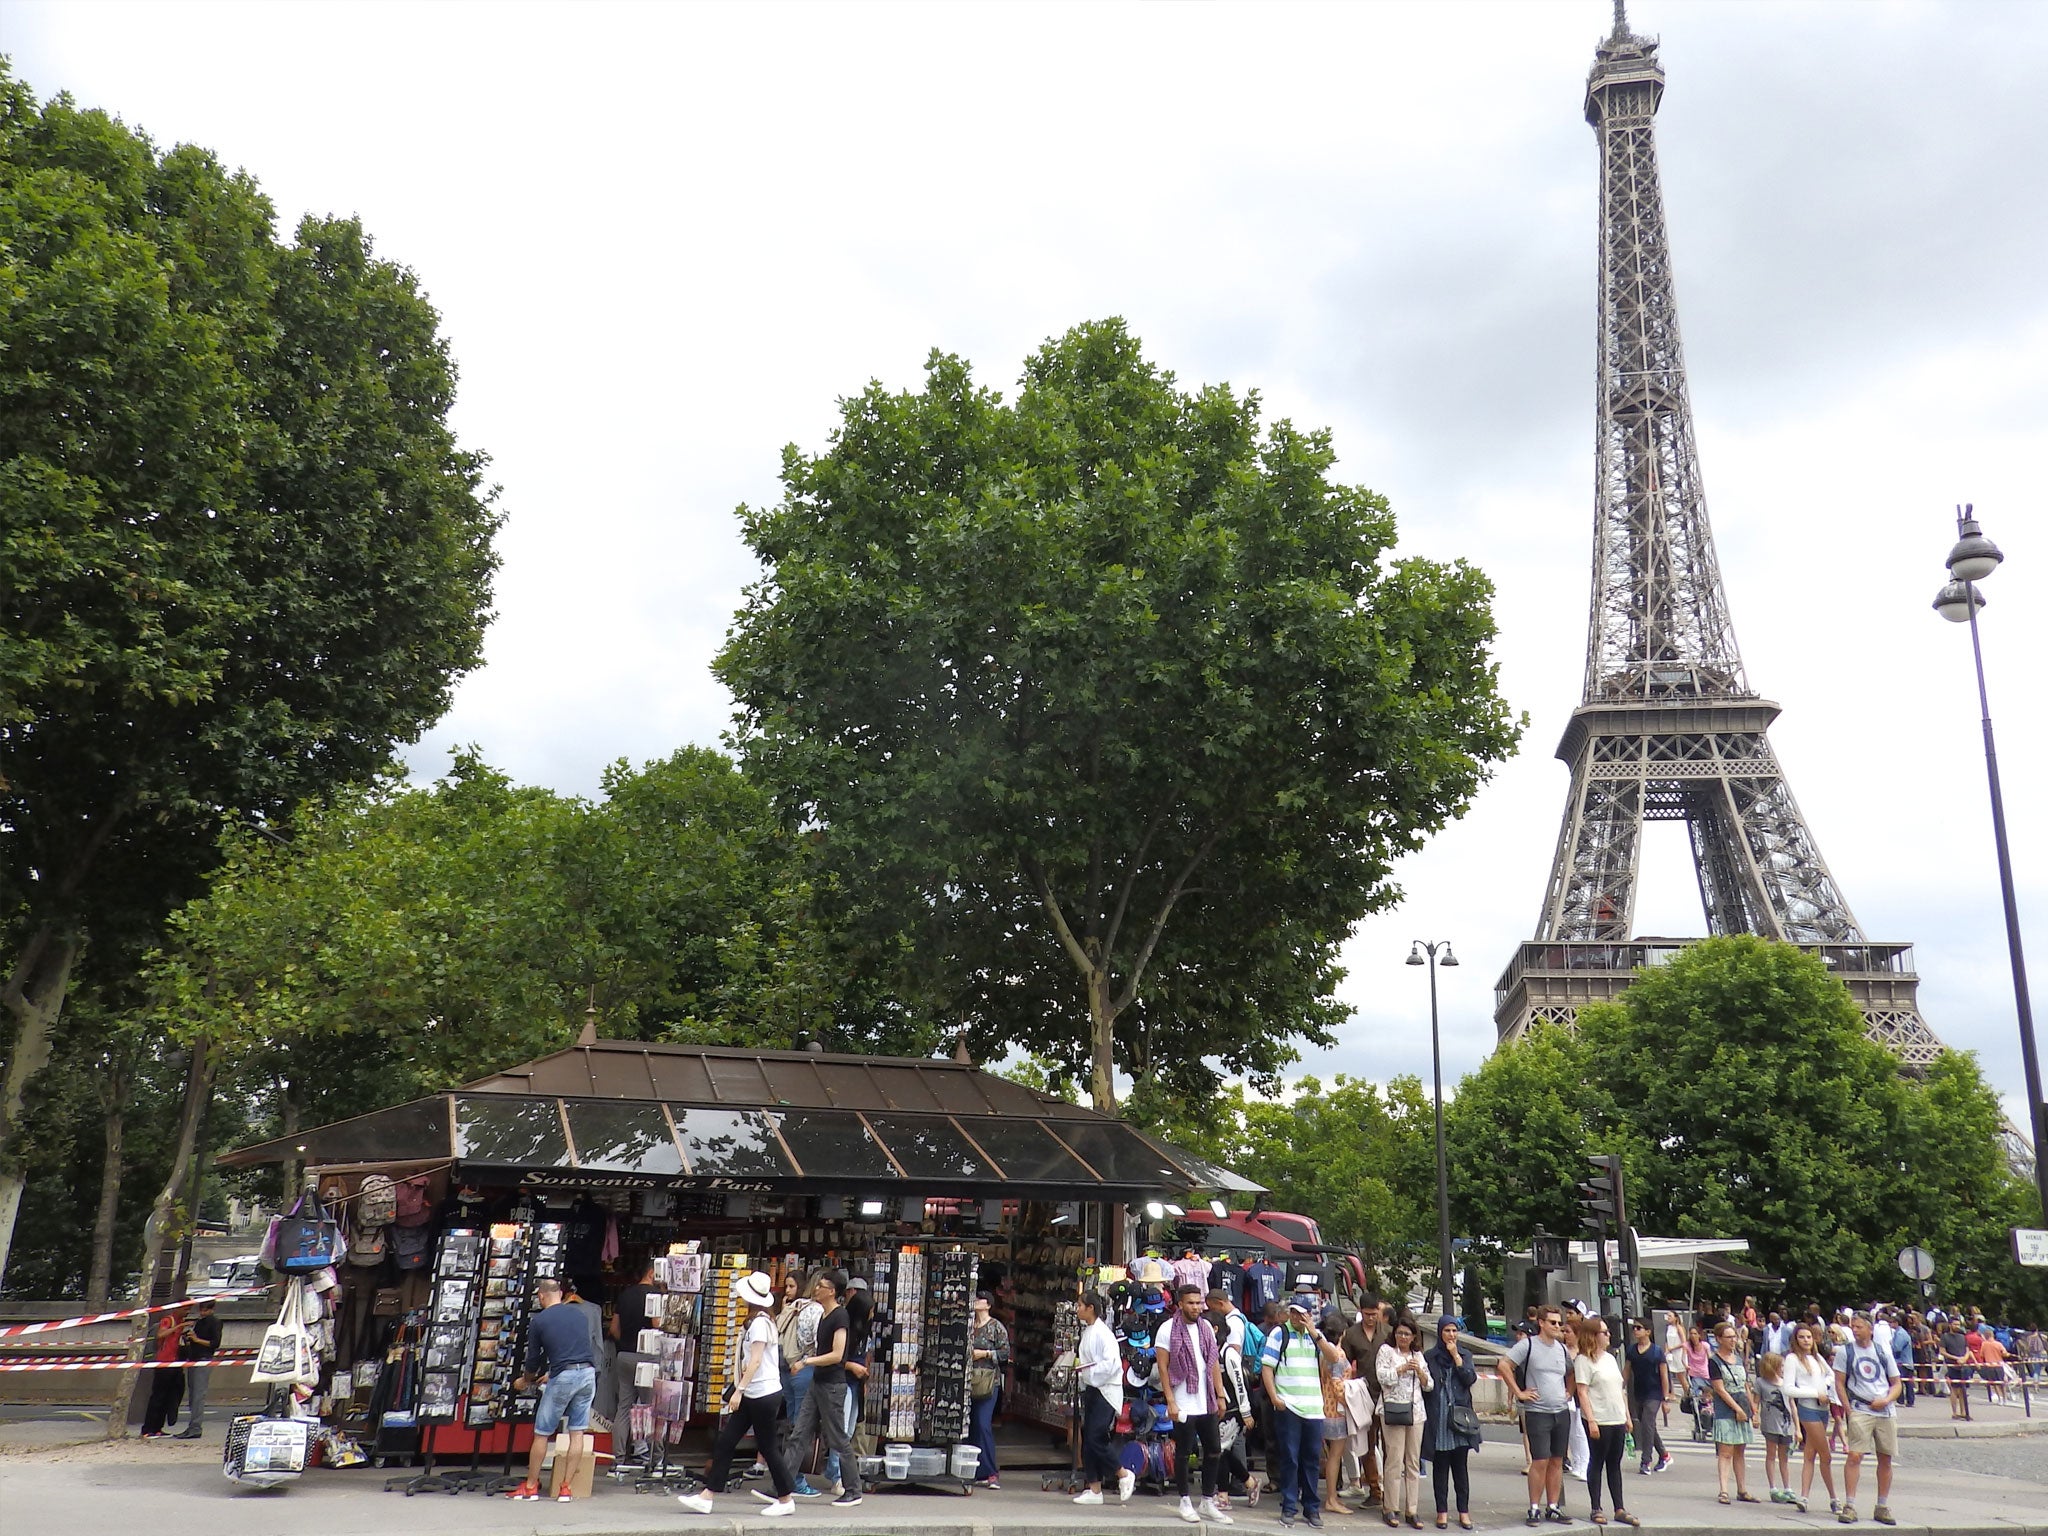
666,239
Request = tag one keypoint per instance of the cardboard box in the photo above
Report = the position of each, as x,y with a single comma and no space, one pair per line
577,1469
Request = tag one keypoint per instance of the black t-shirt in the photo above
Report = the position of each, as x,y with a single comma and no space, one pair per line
828,1325
1644,1379
1226,1277
629,1311
205,1339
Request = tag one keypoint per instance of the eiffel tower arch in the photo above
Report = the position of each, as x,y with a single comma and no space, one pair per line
1668,728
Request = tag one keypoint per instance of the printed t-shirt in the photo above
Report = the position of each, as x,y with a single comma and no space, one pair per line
1602,1380
1264,1280
1297,1377
830,1326
767,1378
1226,1277
1191,1400
1542,1369
1869,1373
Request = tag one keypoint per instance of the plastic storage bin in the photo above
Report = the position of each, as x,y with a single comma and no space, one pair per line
927,1461
896,1461
966,1462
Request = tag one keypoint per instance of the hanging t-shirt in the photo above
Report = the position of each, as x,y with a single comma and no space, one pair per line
1194,1400
767,1378
1226,1277
1193,1272
1263,1281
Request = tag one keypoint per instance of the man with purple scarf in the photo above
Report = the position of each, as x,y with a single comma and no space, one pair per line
1190,1369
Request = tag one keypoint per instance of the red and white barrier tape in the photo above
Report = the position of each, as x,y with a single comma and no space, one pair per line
16,1330
225,1357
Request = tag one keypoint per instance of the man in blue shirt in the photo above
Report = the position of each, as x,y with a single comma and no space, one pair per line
558,1354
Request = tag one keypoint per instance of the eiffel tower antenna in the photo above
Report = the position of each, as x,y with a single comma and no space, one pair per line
1668,728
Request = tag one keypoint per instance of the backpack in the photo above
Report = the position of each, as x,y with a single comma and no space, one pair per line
411,1245
412,1207
376,1202
367,1246
1254,1342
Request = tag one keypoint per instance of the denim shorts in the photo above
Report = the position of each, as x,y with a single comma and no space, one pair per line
569,1391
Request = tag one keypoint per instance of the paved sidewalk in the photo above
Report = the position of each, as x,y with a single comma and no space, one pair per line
175,1489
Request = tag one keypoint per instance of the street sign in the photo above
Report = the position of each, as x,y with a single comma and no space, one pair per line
1916,1263
2030,1246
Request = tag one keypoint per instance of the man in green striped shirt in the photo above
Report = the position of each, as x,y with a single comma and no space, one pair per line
1292,1369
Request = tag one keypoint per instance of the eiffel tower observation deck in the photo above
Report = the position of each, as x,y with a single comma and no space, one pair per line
1669,728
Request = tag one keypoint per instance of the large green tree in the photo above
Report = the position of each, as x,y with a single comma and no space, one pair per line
1745,1099
1111,708
241,554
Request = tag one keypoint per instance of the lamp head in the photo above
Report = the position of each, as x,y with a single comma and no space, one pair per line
1955,601
1415,953
1974,556
1447,958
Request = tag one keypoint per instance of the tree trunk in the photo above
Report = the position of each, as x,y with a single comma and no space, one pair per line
1102,1042
35,996
288,1119
163,1218
100,1281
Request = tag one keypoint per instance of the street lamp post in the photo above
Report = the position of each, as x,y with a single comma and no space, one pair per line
1443,1175
1974,558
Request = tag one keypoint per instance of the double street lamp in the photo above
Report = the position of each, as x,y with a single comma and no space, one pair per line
1443,1177
1974,558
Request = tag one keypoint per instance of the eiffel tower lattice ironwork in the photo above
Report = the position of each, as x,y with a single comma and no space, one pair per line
1670,729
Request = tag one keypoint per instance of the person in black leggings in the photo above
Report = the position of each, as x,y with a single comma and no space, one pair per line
1445,1447
752,1405
1603,1405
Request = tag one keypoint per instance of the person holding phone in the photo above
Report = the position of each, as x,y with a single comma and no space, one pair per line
752,1404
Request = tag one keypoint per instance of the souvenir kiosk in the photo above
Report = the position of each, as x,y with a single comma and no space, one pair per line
928,1179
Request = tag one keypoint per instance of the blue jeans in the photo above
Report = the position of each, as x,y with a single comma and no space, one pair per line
569,1393
1299,1444
985,1432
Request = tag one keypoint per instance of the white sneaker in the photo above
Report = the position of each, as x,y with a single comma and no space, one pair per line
1187,1512
696,1503
1126,1484
1211,1513
780,1507
1088,1496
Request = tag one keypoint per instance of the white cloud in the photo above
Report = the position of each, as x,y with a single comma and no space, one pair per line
665,239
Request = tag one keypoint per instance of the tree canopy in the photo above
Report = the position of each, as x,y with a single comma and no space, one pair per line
241,554
1110,708
1740,1089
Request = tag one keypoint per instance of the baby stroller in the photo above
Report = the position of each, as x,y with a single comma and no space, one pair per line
1701,1397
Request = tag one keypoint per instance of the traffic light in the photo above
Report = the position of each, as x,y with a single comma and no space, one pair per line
1600,1197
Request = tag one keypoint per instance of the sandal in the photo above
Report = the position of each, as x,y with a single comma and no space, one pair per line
1626,1518
1724,1498
1598,1518
1747,1498
1443,1522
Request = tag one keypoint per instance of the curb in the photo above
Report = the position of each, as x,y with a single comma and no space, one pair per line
1967,1430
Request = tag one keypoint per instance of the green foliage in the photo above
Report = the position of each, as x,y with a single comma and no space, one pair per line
403,940
1113,711
1515,1131
1745,1099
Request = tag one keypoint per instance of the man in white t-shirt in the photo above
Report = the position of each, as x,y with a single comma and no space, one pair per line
1867,1379
1191,1373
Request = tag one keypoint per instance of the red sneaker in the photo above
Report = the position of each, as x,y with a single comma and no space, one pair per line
526,1490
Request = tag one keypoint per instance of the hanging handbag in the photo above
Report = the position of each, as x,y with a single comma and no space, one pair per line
1464,1419
982,1380
286,1353
307,1239
1398,1413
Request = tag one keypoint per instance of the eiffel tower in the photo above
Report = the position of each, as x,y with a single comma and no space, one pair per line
1670,729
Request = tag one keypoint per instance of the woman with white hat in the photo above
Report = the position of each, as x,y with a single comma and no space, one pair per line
753,1403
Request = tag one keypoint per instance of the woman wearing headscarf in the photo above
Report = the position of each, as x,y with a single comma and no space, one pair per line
1450,1430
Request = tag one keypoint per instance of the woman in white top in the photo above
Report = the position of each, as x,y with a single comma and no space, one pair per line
1404,1377
1603,1407
1809,1385
1098,1364
753,1402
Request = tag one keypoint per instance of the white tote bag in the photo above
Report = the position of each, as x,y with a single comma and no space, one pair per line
286,1354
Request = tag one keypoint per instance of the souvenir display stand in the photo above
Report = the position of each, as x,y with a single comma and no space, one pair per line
706,1163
